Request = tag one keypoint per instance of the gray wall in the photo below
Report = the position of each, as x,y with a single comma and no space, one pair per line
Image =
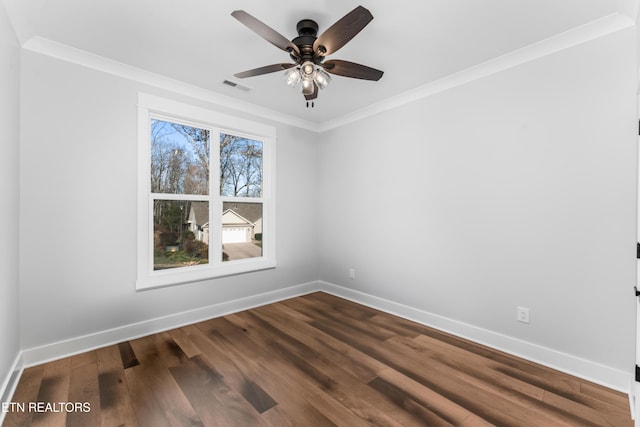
78,209
517,189
9,194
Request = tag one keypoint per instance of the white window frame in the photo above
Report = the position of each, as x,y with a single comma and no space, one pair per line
150,106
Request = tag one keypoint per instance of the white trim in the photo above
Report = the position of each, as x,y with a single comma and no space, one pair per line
11,382
591,371
581,34
53,351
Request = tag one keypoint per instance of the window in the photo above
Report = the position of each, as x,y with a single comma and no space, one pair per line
205,194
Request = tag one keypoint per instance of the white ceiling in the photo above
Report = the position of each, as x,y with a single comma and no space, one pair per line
198,42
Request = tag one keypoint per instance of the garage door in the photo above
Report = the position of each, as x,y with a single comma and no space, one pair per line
234,235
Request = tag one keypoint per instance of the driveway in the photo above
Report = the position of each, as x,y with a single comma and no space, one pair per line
241,250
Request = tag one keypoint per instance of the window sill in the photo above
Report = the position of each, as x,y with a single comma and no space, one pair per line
178,276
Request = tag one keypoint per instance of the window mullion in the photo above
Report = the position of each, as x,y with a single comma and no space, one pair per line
188,197
215,204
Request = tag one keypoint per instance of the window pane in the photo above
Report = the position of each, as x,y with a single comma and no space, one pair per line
180,233
240,166
241,230
179,159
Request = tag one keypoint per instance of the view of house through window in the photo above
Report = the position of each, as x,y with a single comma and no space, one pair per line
206,185
240,177
180,162
241,230
178,240
180,181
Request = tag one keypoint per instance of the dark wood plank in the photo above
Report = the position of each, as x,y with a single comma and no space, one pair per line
234,368
54,388
128,356
83,359
299,398
481,371
406,402
115,403
358,322
438,404
612,399
451,383
26,391
346,388
181,338
475,365
158,346
157,399
244,365
359,364
212,399
84,393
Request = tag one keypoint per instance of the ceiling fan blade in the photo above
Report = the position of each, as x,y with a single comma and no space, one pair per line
314,95
263,70
342,31
351,69
266,32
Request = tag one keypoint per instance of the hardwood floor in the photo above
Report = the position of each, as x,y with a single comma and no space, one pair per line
315,360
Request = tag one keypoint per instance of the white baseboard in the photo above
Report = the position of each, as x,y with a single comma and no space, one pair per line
576,366
11,382
70,347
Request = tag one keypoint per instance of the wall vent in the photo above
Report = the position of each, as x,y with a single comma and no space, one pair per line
236,86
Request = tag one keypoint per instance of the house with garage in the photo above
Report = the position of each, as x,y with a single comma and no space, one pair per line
198,221
241,222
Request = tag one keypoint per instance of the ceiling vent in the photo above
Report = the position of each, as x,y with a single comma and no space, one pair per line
236,86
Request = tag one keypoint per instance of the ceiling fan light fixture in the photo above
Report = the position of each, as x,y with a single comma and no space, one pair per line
322,78
292,76
307,69
307,86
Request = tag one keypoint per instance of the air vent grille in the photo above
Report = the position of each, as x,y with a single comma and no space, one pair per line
236,86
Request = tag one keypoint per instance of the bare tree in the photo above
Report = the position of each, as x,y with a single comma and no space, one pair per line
240,167
168,161
197,172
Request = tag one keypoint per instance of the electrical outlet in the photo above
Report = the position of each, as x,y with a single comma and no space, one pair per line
352,273
523,314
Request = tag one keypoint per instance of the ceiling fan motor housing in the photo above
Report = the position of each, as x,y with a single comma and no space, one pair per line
307,32
307,27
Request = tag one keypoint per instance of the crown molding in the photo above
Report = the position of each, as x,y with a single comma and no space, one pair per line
584,33
86,59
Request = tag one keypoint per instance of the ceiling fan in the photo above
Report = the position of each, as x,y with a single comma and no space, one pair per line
308,51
